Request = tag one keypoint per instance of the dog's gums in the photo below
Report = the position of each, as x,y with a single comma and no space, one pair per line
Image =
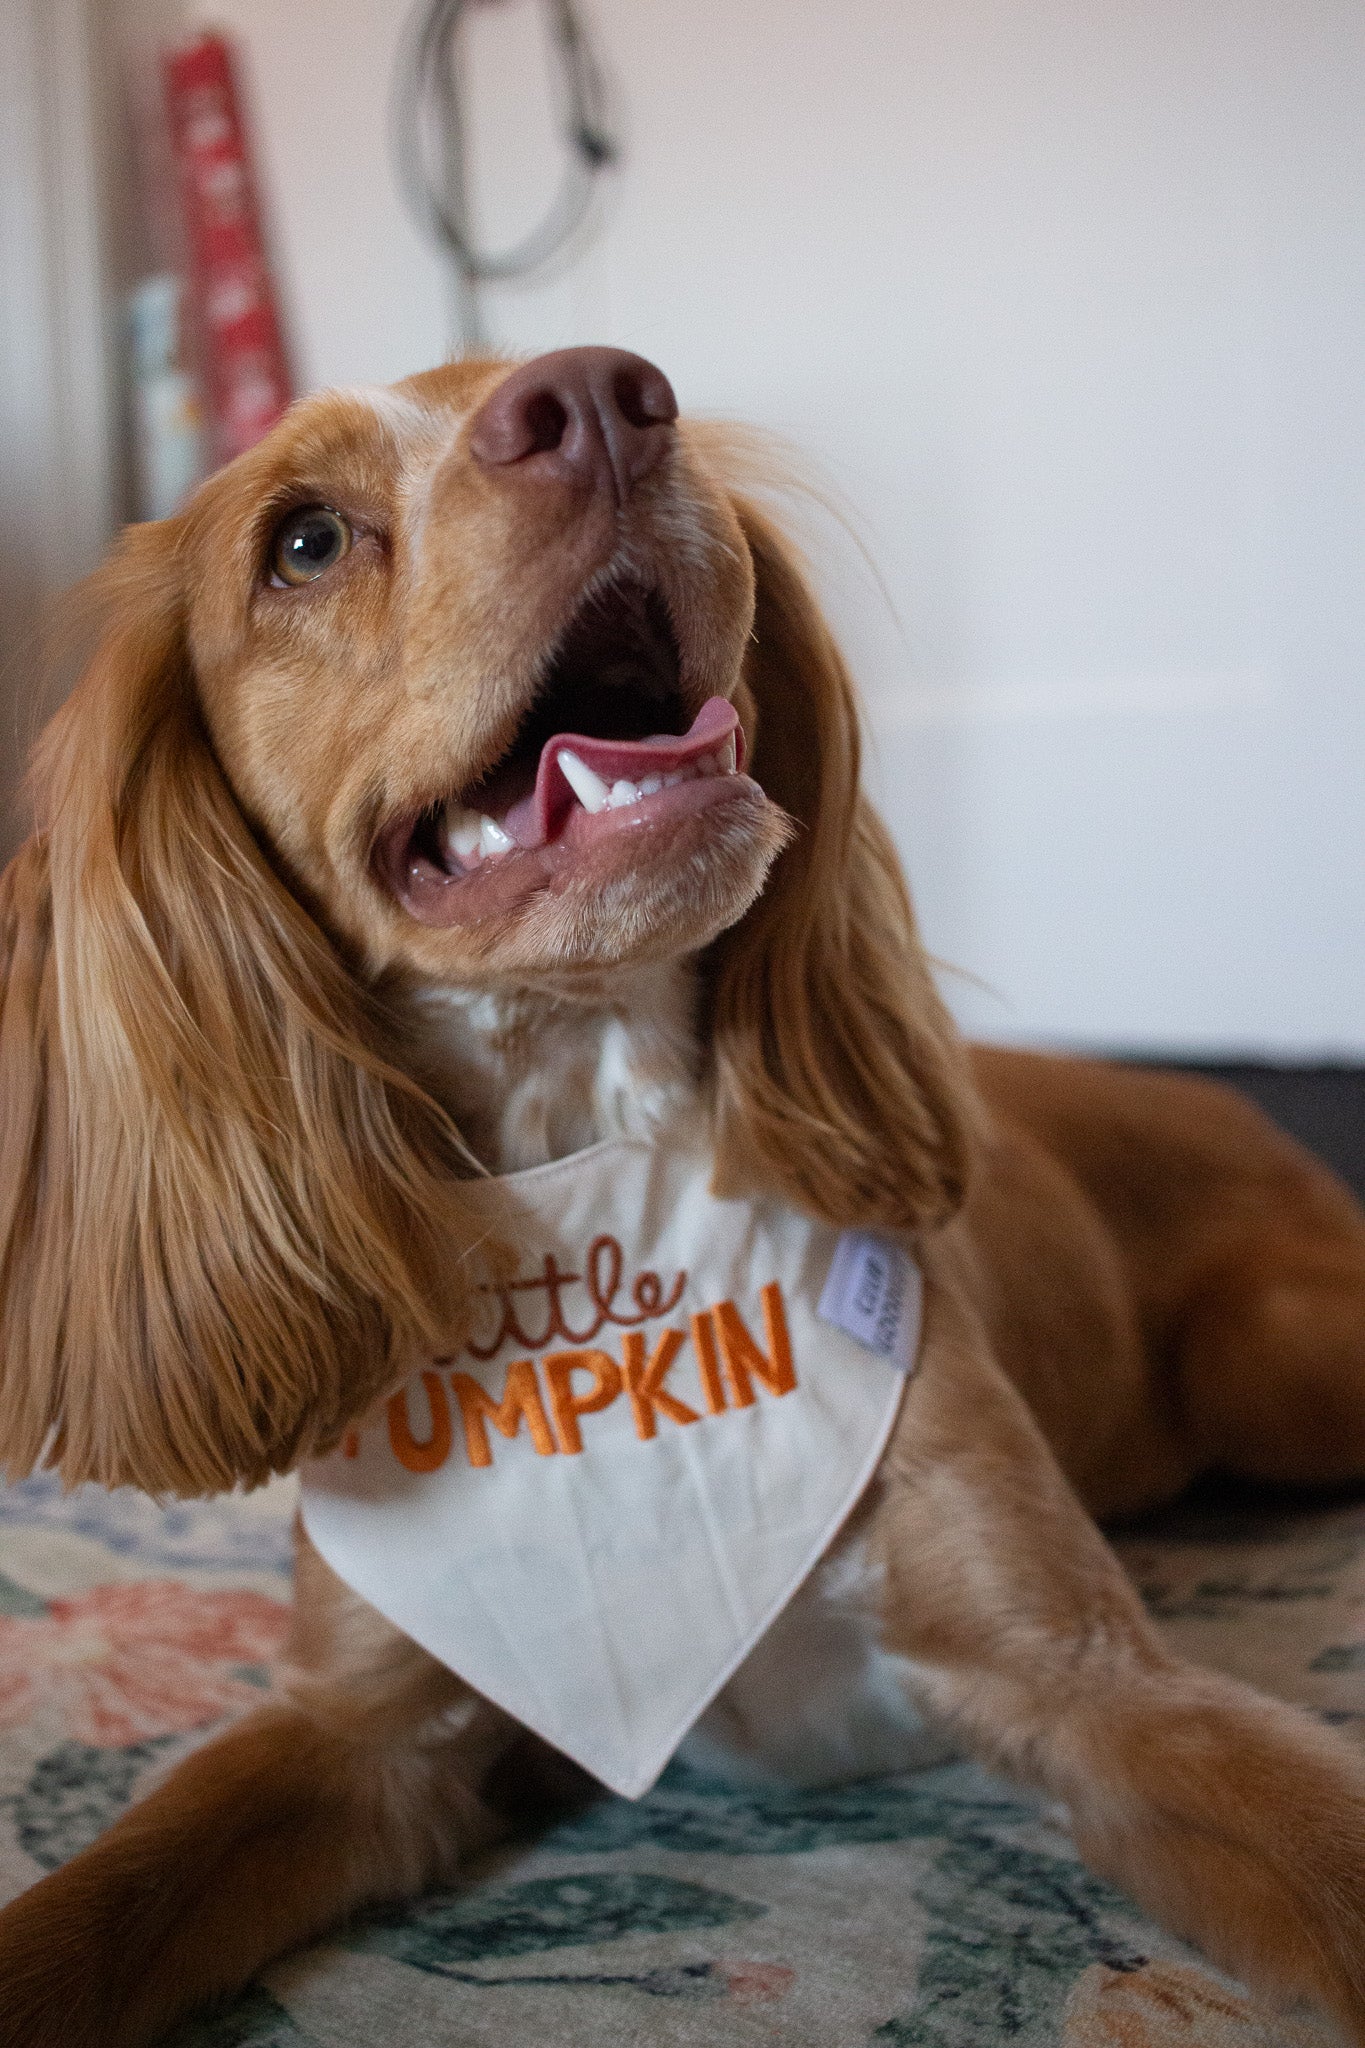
599,773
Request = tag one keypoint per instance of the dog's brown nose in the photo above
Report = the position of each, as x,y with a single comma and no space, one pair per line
592,416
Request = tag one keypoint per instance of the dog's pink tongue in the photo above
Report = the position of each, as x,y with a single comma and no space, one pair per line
537,817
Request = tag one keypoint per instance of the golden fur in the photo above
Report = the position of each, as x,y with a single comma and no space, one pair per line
239,1088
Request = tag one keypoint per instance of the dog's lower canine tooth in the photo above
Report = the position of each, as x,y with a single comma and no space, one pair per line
727,756
462,831
492,838
585,783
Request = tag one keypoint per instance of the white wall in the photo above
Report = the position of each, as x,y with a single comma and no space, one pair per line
1068,298
56,495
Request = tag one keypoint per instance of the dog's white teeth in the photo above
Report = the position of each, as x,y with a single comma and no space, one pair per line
596,795
470,837
462,831
586,784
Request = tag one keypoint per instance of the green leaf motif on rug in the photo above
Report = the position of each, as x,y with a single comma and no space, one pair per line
690,1813
1340,1657
253,1674
255,2021
73,1795
546,1913
1009,1932
16,1600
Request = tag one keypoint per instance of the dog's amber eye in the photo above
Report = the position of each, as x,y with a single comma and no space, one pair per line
307,544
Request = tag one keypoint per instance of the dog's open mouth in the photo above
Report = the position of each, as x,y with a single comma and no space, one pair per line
608,740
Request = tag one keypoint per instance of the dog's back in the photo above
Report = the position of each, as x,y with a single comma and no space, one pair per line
1239,1257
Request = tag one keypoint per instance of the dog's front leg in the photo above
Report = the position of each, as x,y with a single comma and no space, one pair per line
362,1787
1236,1820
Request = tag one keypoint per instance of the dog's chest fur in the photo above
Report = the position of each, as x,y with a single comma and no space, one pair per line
533,1077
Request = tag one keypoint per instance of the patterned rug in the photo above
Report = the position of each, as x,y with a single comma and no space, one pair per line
938,1910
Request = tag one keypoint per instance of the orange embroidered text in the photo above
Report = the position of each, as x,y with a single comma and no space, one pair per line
645,1382
743,1357
551,1403
560,1367
520,1403
410,1453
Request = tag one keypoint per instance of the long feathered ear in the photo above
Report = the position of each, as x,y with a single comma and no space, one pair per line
225,1218
839,1076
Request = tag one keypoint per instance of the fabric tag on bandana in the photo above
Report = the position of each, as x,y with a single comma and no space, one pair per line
873,1293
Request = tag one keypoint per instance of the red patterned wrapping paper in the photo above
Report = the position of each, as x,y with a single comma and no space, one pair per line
244,367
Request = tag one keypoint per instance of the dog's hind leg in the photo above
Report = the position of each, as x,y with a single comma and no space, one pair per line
1236,1820
362,1788
1271,1360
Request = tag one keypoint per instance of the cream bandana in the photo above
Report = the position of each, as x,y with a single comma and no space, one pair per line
594,1511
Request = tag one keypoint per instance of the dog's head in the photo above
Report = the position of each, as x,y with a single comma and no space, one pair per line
487,680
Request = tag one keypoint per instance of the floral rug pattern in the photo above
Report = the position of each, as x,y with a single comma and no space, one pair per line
936,1910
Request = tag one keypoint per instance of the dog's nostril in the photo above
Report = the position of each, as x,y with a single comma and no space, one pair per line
643,399
546,421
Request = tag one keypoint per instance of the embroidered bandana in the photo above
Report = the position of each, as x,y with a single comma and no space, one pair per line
594,1511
